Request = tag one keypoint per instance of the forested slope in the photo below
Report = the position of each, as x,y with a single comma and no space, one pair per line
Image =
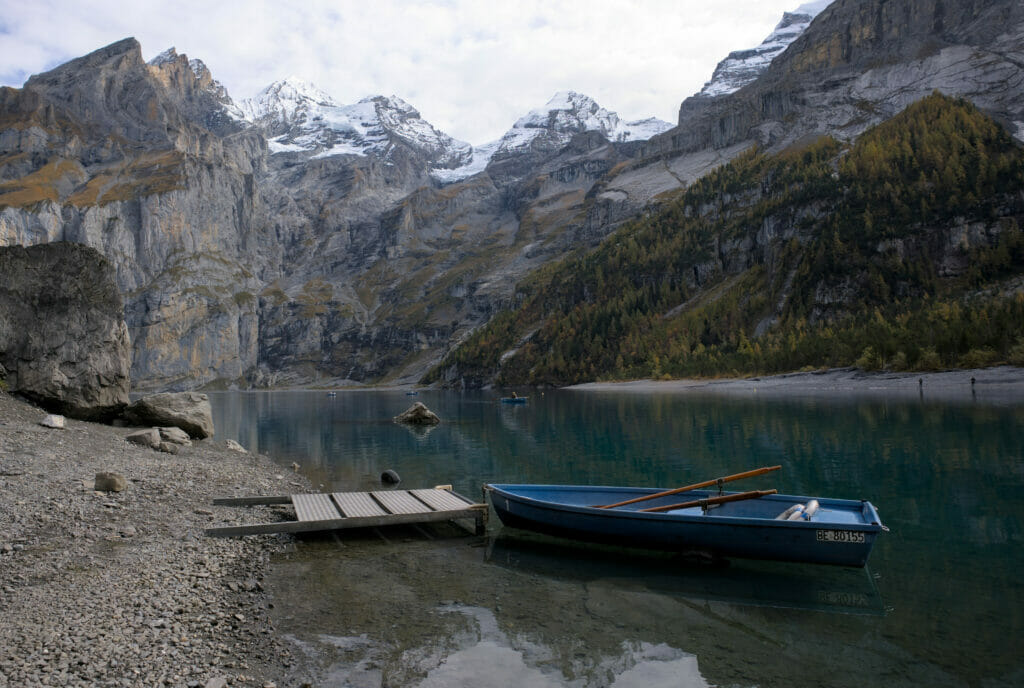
902,251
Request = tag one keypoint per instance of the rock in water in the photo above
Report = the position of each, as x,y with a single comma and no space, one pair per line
186,410
63,339
418,414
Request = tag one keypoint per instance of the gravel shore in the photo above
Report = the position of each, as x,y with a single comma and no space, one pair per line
999,385
123,588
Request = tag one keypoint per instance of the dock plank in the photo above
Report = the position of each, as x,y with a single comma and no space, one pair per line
401,502
314,507
440,500
341,510
357,504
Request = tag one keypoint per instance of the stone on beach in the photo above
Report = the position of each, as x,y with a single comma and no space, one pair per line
189,411
175,436
418,414
150,437
110,482
53,421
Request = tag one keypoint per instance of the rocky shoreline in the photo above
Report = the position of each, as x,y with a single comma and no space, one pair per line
123,588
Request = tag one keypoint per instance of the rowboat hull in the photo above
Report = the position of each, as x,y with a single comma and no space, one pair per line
841,532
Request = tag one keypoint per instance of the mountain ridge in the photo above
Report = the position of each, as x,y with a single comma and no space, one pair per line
245,267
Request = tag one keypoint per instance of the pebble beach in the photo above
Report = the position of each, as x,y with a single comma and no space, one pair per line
123,588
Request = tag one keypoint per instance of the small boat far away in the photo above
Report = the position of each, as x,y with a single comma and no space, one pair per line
514,399
755,525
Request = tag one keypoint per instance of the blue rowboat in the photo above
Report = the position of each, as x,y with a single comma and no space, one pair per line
839,531
513,400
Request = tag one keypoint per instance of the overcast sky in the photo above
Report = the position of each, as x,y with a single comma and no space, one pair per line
471,67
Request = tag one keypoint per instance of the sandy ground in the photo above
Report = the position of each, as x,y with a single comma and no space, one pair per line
1001,385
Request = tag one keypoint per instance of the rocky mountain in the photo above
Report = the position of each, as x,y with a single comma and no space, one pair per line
294,240
902,250
291,239
740,67
859,63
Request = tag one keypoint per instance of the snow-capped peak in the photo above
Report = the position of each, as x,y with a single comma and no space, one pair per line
552,126
568,113
299,117
283,101
741,67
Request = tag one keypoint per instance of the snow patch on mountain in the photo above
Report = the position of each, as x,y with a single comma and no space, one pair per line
479,157
741,67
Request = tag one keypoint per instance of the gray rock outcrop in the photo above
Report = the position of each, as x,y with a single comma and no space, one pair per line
63,339
186,410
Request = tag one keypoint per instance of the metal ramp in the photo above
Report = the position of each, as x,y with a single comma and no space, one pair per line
338,510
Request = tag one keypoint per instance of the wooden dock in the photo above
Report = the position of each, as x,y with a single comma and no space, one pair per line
336,510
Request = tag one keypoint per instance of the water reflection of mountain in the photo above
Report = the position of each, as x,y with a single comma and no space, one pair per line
763,584
947,480
418,612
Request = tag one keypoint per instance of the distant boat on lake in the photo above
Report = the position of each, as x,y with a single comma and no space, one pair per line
514,399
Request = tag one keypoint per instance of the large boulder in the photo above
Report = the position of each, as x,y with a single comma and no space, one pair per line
63,339
186,410
418,414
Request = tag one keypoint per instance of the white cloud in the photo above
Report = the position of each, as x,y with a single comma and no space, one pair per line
471,68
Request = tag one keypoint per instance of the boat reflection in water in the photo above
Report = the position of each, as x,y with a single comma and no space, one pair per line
740,582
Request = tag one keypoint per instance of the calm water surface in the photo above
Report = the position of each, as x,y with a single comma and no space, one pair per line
940,604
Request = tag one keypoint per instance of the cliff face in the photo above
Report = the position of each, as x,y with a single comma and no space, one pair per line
113,153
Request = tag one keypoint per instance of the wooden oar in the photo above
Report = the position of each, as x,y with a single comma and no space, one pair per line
753,494
706,483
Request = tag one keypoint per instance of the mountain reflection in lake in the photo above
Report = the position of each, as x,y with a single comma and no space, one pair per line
940,603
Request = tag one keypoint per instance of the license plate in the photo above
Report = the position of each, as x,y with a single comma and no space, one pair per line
852,536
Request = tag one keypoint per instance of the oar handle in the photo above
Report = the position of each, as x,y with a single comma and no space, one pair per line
753,494
697,486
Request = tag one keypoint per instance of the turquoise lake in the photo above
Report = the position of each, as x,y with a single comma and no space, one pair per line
941,602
